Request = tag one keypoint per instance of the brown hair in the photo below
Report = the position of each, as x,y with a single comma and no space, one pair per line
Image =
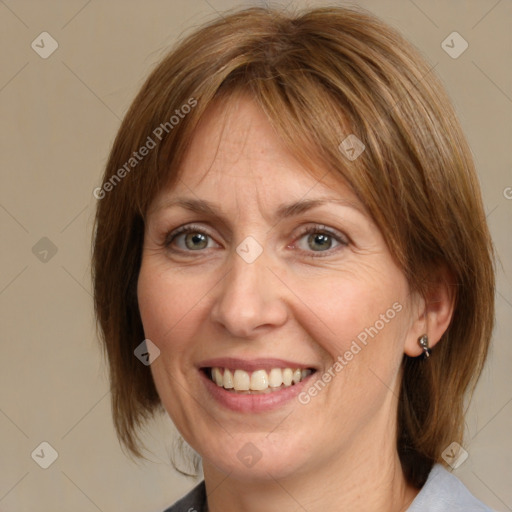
319,76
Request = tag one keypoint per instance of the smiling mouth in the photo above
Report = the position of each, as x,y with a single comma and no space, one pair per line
259,381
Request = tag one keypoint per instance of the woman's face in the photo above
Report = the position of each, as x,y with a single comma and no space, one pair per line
277,272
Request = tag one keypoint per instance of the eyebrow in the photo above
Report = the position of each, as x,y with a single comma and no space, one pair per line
202,206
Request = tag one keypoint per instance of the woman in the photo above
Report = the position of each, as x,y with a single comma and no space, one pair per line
290,236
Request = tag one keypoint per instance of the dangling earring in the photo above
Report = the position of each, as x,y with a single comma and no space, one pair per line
423,343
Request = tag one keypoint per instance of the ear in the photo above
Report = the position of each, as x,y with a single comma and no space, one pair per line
434,312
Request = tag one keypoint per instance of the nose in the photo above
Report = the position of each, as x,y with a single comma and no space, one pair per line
249,299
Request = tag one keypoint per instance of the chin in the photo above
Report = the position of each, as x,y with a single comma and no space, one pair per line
255,458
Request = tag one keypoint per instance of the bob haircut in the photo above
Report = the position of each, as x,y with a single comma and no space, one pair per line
319,75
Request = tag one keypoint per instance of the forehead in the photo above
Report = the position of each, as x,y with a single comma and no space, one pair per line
235,151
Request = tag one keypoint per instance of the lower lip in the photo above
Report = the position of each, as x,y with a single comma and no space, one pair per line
261,402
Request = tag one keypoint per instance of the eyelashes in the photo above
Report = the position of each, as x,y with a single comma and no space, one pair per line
186,230
321,235
191,239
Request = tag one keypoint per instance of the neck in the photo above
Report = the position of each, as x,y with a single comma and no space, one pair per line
373,480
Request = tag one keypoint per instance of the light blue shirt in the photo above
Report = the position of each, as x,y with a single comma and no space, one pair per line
442,492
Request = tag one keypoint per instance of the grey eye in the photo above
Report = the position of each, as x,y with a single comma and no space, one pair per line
195,241
319,241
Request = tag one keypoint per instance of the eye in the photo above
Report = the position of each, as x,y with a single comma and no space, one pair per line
313,239
189,238
320,239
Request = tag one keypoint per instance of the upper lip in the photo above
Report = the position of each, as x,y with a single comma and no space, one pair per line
251,365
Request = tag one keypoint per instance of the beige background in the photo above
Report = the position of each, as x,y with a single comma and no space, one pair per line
58,119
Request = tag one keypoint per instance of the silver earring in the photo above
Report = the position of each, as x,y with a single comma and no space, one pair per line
423,343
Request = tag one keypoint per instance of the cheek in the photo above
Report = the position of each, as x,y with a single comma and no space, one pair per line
351,307
362,329
169,306
171,313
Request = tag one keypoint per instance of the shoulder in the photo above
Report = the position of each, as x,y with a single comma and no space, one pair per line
444,492
194,501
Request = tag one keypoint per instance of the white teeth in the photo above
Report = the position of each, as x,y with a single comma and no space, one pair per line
259,380
275,377
228,380
287,377
217,376
241,380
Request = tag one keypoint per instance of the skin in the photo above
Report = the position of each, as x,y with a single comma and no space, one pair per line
295,301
